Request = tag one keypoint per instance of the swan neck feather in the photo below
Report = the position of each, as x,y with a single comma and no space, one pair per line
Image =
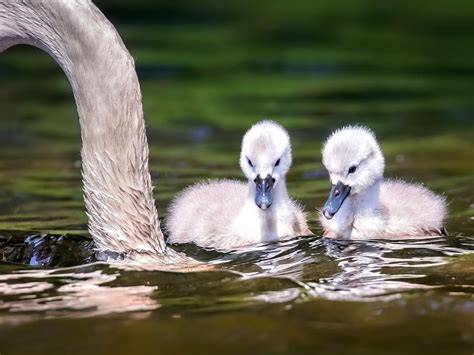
117,183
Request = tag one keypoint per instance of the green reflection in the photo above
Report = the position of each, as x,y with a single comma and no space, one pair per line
208,70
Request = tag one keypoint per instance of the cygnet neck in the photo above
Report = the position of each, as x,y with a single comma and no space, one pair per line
369,199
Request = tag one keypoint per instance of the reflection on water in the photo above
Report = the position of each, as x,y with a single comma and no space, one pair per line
295,270
208,70
70,292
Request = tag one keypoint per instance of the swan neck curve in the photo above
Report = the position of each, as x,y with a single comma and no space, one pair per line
117,184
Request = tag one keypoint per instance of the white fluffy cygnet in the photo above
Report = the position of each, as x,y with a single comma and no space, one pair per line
361,205
226,214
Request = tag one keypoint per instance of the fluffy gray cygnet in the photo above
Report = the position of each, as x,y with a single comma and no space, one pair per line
362,205
226,214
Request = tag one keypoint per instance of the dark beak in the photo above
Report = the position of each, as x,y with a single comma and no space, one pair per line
337,195
264,195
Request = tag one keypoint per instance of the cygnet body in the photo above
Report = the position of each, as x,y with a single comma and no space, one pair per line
227,214
361,205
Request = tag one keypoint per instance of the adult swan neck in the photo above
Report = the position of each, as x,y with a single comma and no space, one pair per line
117,184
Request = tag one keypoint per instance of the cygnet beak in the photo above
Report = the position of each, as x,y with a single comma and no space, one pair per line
264,194
337,195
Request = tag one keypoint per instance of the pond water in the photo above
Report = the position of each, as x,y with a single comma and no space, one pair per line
208,73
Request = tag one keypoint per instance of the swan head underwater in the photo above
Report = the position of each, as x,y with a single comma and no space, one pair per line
265,159
362,204
354,162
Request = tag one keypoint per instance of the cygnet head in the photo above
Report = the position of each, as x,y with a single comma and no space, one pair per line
354,161
265,159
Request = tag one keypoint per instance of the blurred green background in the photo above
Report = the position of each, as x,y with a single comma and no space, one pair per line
210,69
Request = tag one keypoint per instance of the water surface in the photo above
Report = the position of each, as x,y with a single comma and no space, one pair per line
208,73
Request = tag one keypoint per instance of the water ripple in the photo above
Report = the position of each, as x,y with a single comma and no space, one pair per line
297,270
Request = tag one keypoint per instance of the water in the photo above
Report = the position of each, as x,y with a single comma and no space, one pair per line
208,73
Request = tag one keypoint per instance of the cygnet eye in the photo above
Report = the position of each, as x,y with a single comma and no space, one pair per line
352,169
277,163
250,162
